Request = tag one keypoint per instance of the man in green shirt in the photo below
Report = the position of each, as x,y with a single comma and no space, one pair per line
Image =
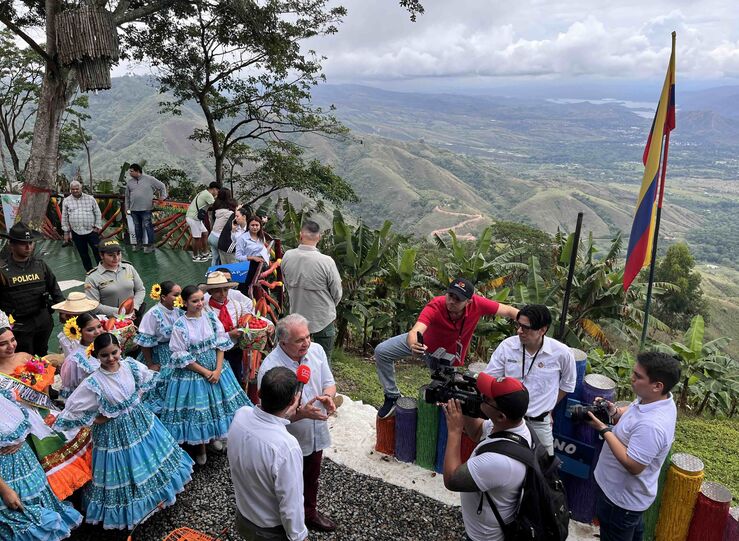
196,213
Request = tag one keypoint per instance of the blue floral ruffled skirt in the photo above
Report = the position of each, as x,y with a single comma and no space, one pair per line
154,398
136,464
43,517
196,411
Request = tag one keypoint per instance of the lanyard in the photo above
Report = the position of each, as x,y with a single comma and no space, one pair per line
525,372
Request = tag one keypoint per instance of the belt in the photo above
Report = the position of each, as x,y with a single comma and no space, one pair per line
538,418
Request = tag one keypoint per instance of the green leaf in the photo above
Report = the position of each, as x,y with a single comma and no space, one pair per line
694,335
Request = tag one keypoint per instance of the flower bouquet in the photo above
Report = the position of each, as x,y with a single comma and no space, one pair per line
35,372
256,331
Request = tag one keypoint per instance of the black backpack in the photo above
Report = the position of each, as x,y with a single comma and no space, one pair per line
542,513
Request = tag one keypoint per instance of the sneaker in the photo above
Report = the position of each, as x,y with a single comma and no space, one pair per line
135,247
196,257
388,407
200,460
149,249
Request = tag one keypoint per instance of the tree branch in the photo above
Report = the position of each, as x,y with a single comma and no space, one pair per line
145,11
25,37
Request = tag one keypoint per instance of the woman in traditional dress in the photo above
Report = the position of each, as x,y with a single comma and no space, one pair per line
29,510
203,394
80,364
75,304
136,463
153,337
66,462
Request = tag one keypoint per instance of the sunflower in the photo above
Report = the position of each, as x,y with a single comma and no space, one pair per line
11,320
178,302
89,350
72,330
156,292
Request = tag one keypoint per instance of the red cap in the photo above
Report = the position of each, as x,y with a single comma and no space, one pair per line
303,373
495,387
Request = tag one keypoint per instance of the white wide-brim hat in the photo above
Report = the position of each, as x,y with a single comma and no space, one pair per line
76,303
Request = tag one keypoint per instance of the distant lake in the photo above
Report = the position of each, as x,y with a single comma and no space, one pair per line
642,108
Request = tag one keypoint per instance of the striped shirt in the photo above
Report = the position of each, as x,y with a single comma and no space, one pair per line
81,214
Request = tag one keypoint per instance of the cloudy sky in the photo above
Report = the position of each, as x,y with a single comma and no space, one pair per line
484,40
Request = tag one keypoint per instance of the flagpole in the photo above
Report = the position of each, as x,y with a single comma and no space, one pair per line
657,220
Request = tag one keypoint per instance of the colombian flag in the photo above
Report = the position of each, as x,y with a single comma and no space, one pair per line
639,254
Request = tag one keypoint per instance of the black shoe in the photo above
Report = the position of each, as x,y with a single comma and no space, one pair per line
388,407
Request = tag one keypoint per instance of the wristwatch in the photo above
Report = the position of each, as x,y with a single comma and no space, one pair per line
603,431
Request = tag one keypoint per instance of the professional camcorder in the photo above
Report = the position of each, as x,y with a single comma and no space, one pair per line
579,412
447,383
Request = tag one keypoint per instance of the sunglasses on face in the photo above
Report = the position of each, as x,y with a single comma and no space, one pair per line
523,327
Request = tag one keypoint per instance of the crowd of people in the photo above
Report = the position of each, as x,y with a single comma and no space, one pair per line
125,433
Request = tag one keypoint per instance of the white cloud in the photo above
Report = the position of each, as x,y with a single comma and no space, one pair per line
532,37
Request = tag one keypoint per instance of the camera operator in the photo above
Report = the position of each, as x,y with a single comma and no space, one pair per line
445,322
544,365
636,447
504,402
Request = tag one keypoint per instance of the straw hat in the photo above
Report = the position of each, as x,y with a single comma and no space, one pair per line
76,303
217,280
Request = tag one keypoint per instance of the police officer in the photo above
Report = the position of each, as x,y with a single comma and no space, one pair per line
113,281
28,288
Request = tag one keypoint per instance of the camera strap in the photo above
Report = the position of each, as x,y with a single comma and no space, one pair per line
525,372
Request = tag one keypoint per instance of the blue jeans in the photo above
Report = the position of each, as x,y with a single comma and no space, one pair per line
215,257
616,523
142,222
386,354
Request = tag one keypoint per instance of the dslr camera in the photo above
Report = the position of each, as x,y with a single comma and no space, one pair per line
579,412
447,383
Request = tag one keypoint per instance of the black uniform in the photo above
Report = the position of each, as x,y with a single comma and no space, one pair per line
27,290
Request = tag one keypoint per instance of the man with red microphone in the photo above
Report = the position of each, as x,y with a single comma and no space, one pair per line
309,424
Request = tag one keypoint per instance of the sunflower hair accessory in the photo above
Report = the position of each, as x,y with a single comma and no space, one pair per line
89,350
156,292
178,302
72,330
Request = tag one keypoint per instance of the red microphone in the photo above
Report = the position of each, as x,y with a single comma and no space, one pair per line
303,374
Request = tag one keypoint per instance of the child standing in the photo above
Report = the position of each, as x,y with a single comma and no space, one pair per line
203,394
28,508
153,337
136,463
79,363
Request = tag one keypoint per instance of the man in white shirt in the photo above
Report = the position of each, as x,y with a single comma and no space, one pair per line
267,464
81,223
313,285
636,447
544,365
309,424
505,401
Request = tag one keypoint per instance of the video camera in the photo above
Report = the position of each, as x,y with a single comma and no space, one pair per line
579,412
447,383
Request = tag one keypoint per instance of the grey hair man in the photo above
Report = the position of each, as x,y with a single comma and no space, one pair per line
266,463
313,285
81,223
309,425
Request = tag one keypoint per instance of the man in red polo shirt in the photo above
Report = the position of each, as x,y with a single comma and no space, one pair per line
446,322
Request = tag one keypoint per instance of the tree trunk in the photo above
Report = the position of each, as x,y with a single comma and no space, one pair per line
703,403
683,402
41,169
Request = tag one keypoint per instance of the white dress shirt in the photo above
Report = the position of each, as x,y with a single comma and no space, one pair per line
647,431
552,370
267,471
312,435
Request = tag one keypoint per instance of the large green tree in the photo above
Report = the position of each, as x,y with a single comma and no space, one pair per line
243,63
678,306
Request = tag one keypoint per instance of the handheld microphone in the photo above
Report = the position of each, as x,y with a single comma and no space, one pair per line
303,374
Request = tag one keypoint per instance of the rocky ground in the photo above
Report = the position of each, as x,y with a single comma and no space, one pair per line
365,508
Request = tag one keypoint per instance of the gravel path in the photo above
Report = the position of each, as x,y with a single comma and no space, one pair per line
365,508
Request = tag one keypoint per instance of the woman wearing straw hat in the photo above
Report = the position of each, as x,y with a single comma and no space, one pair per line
202,394
75,304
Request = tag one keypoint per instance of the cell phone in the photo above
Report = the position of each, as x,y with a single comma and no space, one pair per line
419,337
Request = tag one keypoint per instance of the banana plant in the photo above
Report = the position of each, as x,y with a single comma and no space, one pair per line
697,359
